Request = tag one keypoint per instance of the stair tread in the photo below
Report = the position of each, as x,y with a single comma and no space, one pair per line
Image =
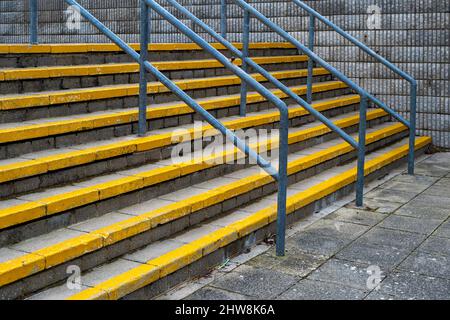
147,255
65,48
48,98
11,74
143,210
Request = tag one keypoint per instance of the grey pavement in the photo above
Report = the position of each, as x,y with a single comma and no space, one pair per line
397,247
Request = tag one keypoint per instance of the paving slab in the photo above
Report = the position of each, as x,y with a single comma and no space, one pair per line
415,188
320,290
392,238
422,210
391,195
440,201
347,273
429,264
415,180
299,265
387,258
211,293
431,169
411,224
436,244
443,230
380,206
411,286
316,244
337,229
363,217
256,282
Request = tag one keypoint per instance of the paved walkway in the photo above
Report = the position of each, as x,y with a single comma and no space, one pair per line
397,248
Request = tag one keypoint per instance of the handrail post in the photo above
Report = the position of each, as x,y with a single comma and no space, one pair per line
312,21
223,18
282,183
412,127
361,151
142,126
33,22
245,52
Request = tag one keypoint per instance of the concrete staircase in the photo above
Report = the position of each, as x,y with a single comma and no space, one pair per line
79,188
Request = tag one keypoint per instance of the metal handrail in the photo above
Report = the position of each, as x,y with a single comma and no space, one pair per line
413,82
246,61
281,177
314,57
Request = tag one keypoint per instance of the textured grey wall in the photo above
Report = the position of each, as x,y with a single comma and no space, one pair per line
415,34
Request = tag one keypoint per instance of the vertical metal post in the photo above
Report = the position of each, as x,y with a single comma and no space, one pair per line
361,152
33,22
282,183
312,22
142,130
412,128
223,18
245,52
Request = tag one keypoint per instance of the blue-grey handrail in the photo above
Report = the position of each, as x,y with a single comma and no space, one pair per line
360,145
248,61
413,82
176,90
280,104
365,96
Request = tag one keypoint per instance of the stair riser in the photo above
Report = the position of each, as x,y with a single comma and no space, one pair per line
39,60
50,277
63,83
111,165
203,266
86,107
15,149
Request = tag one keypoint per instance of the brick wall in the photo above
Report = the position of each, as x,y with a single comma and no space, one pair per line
415,34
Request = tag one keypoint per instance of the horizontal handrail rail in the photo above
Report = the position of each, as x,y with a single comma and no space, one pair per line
281,32
355,41
349,139
413,82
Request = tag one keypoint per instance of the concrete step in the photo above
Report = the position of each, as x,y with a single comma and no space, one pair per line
28,106
24,80
164,214
18,138
47,168
44,210
153,269
26,56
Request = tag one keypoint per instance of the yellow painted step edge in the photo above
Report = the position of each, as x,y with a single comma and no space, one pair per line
11,102
122,117
51,205
118,68
56,162
136,278
108,47
72,248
